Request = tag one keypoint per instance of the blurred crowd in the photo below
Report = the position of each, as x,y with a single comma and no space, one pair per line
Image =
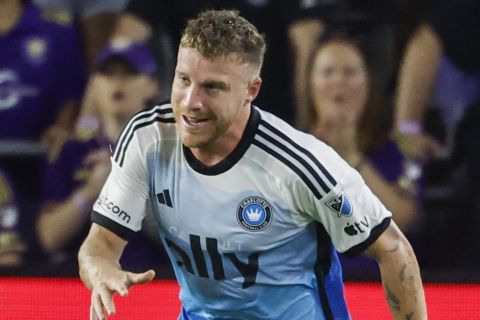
392,86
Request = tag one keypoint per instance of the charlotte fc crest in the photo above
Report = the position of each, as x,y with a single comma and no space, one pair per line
340,204
254,213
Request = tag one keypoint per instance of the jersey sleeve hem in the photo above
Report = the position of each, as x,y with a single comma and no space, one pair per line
118,229
374,234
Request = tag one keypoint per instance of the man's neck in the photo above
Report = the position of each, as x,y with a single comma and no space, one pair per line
10,12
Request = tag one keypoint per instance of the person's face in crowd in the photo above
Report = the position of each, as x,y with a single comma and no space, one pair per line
210,98
339,83
123,92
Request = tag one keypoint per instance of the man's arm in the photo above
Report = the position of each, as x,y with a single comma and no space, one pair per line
416,80
400,274
101,272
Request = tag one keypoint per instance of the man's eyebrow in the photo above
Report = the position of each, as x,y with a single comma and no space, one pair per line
215,84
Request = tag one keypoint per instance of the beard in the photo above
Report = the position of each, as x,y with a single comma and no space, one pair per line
202,137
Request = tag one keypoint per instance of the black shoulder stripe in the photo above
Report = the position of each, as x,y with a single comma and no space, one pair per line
290,165
127,130
294,155
301,149
112,225
136,127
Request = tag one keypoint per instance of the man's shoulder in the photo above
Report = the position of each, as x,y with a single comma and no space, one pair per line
151,118
145,129
307,159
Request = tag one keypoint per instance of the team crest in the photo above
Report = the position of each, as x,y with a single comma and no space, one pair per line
254,214
341,205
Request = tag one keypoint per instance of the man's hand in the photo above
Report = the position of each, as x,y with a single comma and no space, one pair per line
104,286
101,272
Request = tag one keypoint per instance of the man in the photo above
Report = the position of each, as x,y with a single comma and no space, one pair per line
246,205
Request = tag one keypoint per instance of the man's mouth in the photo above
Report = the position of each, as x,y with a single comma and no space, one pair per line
194,122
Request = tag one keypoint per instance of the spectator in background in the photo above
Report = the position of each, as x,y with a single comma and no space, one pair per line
374,21
97,19
447,40
347,112
121,85
41,73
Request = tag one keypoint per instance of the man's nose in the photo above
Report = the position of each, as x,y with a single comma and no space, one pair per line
192,98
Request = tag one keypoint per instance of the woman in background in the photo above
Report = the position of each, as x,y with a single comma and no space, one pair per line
346,111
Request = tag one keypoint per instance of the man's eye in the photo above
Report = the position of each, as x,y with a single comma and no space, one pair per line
182,79
212,88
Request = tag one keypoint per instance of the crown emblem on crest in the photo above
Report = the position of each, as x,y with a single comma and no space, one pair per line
254,215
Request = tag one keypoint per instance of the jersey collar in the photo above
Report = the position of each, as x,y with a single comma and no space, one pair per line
234,156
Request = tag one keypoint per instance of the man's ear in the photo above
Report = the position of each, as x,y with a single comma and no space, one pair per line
253,89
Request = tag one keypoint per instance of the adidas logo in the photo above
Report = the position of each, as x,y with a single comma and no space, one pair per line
164,198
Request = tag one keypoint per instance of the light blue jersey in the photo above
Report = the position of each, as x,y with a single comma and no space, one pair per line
253,236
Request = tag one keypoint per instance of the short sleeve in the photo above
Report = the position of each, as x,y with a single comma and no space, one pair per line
122,203
352,215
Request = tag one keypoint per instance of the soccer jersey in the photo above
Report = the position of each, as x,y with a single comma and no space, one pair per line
250,237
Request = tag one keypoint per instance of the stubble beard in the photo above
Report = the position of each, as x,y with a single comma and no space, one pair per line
203,138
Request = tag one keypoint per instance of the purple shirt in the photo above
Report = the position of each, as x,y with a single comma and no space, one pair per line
41,68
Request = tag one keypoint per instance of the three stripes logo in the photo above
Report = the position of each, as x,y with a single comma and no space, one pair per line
164,198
